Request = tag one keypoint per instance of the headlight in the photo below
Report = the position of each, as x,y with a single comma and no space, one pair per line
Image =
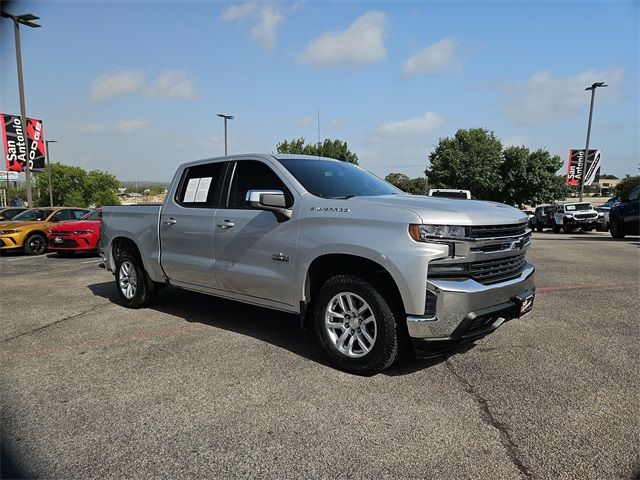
7,232
82,232
424,233
568,215
600,214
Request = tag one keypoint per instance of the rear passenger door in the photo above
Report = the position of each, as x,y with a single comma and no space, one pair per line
186,226
631,211
255,253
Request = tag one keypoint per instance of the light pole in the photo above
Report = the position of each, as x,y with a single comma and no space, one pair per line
586,148
46,146
226,117
25,19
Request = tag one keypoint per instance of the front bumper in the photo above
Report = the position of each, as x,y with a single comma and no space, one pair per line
8,242
581,223
466,309
72,242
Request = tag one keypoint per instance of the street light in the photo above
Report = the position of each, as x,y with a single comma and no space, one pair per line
226,117
25,19
46,146
586,148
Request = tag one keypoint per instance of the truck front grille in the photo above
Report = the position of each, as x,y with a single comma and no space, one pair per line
490,271
582,216
485,271
491,231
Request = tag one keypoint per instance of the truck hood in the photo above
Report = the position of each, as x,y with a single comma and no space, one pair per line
447,211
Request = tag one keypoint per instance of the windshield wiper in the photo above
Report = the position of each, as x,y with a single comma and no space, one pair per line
342,197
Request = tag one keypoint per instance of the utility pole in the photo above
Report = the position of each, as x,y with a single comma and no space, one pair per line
586,148
46,146
25,19
226,117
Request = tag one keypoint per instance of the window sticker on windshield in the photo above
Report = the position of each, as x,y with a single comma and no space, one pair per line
190,192
203,189
571,207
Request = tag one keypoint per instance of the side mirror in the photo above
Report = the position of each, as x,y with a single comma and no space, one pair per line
272,200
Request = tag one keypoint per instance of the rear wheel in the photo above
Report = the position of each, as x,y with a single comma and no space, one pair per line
134,287
35,244
357,327
616,228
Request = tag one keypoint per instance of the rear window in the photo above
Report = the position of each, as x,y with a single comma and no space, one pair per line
200,186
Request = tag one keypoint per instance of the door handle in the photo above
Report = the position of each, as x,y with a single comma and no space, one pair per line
225,224
170,221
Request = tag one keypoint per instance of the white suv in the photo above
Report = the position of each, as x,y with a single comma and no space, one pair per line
571,216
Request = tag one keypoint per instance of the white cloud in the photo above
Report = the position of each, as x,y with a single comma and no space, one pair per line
84,127
546,96
360,44
129,127
304,121
114,84
173,84
265,32
413,126
237,11
439,57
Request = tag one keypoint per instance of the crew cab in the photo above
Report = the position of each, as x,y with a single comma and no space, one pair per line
572,216
372,270
624,217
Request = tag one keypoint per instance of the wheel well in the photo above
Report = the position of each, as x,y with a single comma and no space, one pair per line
327,266
123,244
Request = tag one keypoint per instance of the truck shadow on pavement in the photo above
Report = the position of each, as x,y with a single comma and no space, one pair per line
277,328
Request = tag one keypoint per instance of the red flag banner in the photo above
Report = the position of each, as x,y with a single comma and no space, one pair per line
14,138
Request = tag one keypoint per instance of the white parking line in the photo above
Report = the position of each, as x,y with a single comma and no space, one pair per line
92,261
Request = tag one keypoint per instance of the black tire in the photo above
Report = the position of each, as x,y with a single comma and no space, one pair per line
391,337
35,244
616,229
66,253
144,289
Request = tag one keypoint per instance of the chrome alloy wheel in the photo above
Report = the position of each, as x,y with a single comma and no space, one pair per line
127,280
351,324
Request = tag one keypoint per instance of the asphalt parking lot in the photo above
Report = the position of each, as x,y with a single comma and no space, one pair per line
203,387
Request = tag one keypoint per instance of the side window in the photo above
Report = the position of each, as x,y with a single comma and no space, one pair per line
78,214
61,216
633,196
200,186
253,175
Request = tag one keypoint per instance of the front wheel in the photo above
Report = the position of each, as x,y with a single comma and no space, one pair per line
134,288
357,327
35,244
616,229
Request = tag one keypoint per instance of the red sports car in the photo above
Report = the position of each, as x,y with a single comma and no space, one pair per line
76,236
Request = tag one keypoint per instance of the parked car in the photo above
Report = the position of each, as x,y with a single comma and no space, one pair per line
371,269
28,230
543,217
605,208
450,193
7,213
80,236
530,215
578,215
625,216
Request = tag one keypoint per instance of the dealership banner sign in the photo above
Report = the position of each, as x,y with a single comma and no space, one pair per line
577,167
14,139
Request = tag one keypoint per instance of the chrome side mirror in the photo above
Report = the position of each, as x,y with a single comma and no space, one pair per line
272,200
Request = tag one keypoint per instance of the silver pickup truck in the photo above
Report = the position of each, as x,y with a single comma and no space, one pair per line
372,270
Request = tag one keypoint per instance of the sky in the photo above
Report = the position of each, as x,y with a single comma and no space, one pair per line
134,87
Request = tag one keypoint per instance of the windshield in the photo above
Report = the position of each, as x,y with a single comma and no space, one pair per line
94,215
335,179
577,206
37,214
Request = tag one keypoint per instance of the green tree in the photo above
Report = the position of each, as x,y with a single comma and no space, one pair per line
337,149
627,184
530,177
103,198
414,186
470,161
75,187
